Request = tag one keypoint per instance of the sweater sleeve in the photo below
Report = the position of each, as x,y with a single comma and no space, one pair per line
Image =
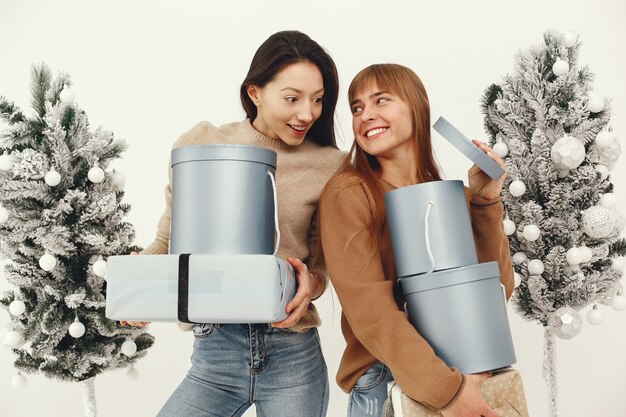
366,296
491,242
315,261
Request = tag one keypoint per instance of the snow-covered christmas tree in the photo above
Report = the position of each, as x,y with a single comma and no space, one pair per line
61,216
564,230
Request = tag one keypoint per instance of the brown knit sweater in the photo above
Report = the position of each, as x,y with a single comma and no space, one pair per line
373,321
301,173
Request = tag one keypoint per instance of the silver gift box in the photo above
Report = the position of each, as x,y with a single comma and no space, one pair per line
221,288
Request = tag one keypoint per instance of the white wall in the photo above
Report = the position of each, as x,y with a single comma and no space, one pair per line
149,70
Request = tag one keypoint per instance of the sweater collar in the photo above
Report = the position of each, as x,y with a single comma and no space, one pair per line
265,140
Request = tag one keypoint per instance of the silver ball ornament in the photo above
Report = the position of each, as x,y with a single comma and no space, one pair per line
6,162
565,322
118,179
608,200
13,339
76,329
618,264
603,171
52,178
560,67
531,232
569,39
618,303
95,175
17,308
517,279
604,139
517,188
600,222
18,381
501,149
67,96
573,256
100,268
585,254
535,267
595,104
4,214
509,227
47,262
132,373
519,258
594,316
567,153
129,348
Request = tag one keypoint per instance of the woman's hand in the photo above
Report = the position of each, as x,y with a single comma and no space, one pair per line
480,184
470,402
134,323
307,286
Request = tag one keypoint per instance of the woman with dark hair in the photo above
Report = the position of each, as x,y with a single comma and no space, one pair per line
392,148
289,97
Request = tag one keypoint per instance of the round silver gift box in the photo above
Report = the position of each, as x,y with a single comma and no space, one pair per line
461,312
222,200
450,230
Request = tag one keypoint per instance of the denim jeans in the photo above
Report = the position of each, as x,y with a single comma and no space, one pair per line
370,392
236,365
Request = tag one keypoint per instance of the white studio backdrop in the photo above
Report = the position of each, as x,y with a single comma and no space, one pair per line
149,70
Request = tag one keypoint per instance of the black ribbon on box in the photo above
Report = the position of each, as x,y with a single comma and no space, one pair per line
183,288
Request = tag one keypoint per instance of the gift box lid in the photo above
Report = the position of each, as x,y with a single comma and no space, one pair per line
223,152
467,148
449,277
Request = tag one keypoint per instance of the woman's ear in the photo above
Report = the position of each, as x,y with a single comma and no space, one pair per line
253,92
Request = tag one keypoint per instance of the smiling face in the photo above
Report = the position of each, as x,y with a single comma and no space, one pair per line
382,122
288,105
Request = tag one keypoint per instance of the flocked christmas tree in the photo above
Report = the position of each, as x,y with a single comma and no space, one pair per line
563,228
61,216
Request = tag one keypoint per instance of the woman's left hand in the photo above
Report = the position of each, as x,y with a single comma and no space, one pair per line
307,284
480,184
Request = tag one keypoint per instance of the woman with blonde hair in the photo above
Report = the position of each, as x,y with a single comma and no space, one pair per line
392,148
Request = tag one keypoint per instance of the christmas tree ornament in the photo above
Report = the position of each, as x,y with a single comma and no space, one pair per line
517,188
18,381
76,329
595,104
6,162
129,348
569,39
565,322
604,139
567,153
594,316
560,67
100,268
618,302
132,373
585,254
52,178
531,232
600,222
4,214
47,262
118,179
618,264
535,267
608,200
607,298
573,256
95,174
603,171
606,156
13,339
517,279
67,96
519,258
17,308
501,149
509,227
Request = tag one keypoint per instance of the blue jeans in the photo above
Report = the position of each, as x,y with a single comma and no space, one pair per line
370,392
236,365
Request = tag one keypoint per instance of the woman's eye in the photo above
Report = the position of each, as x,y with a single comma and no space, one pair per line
291,99
318,99
382,100
356,109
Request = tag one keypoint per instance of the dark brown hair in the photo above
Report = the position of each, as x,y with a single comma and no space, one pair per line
288,47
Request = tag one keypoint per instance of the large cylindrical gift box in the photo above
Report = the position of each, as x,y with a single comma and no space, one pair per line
461,312
222,200
448,225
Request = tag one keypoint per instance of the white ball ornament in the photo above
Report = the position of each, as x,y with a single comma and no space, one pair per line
100,268
4,214
600,222
67,96
132,373
585,254
517,279
565,322
118,179
535,267
604,139
567,153
569,39
52,178
618,303
608,200
618,264
519,258
595,104
17,308
6,162
594,316
603,171
18,381
560,67
517,188
509,227
76,329
13,339
573,256
95,174
47,262
129,348
531,232
501,149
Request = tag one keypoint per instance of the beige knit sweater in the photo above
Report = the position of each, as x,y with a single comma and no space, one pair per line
301,173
